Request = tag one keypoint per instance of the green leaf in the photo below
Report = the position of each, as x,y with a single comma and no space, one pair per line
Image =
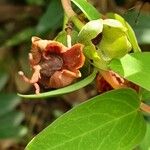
141,27
20,37
145,145
130,32
65,90
8,102
90,12
145,95
110,121
90,31
134,67
3,79
52,18
142,35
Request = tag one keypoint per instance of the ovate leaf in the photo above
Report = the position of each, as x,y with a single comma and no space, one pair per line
134,67
65,90
145,94
140,25
145,145
110,121
90,12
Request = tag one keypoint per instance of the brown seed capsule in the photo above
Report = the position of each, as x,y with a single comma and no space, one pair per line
54,64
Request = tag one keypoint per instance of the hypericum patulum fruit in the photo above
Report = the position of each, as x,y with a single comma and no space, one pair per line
114,42
54,65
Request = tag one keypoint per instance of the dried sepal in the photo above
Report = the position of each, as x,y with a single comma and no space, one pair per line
54,65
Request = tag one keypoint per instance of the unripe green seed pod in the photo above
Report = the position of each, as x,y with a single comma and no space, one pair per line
114,43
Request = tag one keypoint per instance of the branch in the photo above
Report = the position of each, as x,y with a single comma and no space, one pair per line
67,8
112,80
145,107
71,14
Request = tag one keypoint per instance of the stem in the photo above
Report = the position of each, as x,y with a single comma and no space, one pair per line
71,14
107,75
67,8
77,22
145,107
112,80
69,41
65,21
69,32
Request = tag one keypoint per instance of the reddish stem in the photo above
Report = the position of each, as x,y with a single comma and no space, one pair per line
112,80
67,8
145,107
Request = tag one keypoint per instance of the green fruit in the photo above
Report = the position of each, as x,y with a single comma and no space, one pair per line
114,43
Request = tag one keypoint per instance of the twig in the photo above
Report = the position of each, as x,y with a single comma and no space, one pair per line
112,80
67,8
71,14
69,32
145,107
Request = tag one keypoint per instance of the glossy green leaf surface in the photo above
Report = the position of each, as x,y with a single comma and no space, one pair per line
65,90
90,12
110,121
145,144
145,95
140,25
134,67
8,102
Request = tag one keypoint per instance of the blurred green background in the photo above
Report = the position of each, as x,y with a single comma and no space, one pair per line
20,119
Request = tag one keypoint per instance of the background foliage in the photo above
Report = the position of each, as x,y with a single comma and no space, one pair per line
21,120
